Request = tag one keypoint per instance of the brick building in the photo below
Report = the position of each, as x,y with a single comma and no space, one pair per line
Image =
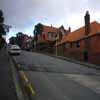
27,42
48,37
83,43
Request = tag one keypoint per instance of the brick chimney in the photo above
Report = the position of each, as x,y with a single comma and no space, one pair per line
69,29
87,23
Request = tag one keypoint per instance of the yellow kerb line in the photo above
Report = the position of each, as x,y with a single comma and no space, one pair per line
24,76
29,85
31,89
19,66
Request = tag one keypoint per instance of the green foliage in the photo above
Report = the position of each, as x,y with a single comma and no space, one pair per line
12,40
1,16
37,30
2,42
2,31
18,39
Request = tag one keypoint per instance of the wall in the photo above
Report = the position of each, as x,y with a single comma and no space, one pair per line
95,50
78,53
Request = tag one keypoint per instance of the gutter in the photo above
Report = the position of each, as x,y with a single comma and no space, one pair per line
19,91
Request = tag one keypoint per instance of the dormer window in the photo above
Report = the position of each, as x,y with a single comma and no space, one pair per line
51,35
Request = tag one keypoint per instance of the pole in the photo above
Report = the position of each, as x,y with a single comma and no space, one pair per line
56,48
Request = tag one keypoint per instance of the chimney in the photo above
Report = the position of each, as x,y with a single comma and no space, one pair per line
51,25
69,29
87,23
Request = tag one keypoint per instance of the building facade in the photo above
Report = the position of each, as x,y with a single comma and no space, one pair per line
82,44
48,38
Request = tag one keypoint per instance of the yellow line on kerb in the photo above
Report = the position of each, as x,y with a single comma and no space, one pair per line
19,66
31,89
29,85
24,76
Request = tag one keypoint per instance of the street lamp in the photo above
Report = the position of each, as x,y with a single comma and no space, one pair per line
57,38
56,48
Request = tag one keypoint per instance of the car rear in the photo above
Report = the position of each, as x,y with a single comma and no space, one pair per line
14,49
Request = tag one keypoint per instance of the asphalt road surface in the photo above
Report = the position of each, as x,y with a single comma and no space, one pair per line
56,79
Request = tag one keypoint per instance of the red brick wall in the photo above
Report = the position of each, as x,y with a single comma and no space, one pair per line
74,52
78,53
95,50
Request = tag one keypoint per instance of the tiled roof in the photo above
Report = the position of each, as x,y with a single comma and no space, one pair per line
49,28
80,33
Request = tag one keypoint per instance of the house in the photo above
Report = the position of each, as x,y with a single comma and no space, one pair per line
83,43
48,37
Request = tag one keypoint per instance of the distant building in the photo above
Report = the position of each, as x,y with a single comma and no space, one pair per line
83,43
27,42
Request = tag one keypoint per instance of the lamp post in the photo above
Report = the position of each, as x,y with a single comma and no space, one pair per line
57,38
56,48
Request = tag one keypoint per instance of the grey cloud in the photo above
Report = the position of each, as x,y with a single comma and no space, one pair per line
22,13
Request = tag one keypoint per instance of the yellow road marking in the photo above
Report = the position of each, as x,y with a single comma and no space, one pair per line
31,89
19,66
24,76
33,92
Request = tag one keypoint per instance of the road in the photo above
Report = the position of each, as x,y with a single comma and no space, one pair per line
56,79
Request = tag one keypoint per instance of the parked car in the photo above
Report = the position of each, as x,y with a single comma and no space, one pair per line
14,49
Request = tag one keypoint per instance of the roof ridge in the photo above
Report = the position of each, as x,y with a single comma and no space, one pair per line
84,26
50,26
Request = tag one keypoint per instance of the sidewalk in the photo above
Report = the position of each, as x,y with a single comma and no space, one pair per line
89,65
86,64
7,88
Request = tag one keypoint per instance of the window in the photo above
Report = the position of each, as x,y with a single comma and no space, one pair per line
78,44
51,35
66,45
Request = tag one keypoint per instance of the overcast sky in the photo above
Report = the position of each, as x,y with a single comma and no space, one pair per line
24,14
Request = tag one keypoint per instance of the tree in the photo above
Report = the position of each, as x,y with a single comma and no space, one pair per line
12,40
37,30
2,42
1,17
2,31
19,38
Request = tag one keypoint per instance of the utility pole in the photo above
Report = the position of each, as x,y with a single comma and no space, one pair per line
56,48
57,38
